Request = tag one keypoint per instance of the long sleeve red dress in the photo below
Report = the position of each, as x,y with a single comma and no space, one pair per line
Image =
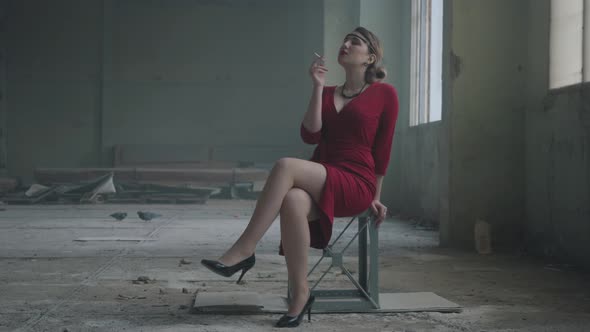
354,145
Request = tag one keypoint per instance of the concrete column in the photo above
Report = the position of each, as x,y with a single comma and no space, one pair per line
486,173
3,83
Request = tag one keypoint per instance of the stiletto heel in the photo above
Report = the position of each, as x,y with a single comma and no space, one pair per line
244,270
288,321
228,271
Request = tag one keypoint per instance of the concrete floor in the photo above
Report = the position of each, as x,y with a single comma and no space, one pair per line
50,282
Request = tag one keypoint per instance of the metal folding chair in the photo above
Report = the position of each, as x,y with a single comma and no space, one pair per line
365,296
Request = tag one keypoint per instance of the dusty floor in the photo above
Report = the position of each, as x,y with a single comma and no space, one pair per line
50,282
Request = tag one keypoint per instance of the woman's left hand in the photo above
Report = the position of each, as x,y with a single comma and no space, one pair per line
379,210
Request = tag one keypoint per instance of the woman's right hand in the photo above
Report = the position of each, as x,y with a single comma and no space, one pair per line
317,71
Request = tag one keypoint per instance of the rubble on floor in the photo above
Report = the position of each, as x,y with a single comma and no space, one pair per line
7,184
139,185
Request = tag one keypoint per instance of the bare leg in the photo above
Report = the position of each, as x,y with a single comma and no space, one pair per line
286,174
295,210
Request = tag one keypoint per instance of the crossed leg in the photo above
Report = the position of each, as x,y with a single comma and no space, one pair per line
298,207
291,190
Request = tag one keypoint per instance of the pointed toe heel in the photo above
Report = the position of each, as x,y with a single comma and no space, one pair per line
294,321
228,271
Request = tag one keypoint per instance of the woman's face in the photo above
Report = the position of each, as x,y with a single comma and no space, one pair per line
354,51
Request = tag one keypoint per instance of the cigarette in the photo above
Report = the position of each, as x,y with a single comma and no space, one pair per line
319,56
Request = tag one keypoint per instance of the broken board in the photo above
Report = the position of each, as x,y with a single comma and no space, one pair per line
110,238
252,303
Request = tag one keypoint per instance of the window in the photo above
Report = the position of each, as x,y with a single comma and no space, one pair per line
426,61
569,54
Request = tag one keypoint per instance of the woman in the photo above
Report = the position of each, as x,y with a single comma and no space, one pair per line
353,125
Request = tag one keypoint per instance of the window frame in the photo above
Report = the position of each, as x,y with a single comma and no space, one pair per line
421,60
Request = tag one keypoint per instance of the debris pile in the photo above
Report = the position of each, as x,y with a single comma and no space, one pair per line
139,186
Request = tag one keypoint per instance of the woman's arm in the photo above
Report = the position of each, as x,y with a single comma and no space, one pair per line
379,185
313,117
382,149
311,125
378,208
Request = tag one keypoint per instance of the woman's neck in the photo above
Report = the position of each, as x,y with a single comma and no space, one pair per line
355,78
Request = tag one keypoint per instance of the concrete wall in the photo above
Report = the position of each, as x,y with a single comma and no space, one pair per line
3,46
557,146
340,18
52,70
486,171
84,76
175,74
412,184
416,172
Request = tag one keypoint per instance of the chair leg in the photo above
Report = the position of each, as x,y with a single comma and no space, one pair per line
363,254
374,264
367,284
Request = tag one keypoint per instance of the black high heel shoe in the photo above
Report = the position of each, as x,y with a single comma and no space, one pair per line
288,321
228,271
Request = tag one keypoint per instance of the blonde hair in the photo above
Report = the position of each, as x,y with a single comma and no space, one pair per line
375,71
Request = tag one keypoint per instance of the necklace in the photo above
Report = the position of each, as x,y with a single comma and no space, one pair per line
354,95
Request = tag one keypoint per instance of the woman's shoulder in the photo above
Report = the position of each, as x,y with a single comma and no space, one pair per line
388,93
386,88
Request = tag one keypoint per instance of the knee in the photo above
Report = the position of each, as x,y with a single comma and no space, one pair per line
295,201
283,164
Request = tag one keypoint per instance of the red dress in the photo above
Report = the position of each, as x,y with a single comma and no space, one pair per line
354,145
